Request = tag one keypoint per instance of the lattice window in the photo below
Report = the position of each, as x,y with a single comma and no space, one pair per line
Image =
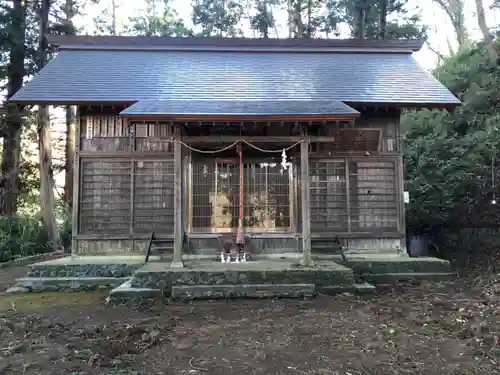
328,198
268,203
154,196
214,204
202,194
105,197
373,196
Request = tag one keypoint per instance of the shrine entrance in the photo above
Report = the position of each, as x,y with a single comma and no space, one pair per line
267,197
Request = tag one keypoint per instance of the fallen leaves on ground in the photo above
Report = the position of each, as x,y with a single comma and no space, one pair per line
430,329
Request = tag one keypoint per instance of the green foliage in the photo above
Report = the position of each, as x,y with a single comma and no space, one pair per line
263,20
451,157
155,23
401,24
218,17
22,236
65,229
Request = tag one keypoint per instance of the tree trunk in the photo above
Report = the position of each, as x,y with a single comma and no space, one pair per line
290,19
11,153
70,155
297,20
309,19
488,40
69,9
359,21
47,206
113,17
382,19
455,10
266,17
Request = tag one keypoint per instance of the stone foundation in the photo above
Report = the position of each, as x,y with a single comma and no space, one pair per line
210,279
158,276
97,266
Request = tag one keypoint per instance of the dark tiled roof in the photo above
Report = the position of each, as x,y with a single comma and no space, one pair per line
166,42
238,107
81,76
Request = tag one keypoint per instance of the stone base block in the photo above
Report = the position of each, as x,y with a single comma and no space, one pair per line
188,292
73,284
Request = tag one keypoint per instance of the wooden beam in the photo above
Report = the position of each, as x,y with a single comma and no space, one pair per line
178,237
306,217
76,186
242,117
118,237
132,135
253,139
400,192
348,194
163,155
356,235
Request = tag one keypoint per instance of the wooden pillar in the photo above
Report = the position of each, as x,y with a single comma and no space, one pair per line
306,217
401,209
75,215
177,259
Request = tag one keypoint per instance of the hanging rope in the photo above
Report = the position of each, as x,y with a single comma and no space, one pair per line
235,143
280,150
211,151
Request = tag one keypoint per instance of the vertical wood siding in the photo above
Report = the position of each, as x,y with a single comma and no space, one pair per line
126,195
134,194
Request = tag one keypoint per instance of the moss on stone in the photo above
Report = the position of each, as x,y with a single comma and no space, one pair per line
166,279
82,270
398,265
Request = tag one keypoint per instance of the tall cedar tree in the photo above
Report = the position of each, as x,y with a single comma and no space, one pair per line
47,206
69,14
11,154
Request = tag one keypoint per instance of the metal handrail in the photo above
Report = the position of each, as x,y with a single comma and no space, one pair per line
151,239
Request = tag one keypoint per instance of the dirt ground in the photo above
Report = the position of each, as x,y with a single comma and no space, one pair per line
431,329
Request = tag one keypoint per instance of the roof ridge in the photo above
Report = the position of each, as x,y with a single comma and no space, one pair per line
218,43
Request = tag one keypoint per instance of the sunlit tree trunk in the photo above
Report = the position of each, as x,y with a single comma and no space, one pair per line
113,17
290,18
47,206
70,155
70,11
455,10
488,39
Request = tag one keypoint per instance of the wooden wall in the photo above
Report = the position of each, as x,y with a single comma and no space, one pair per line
354,195
356,186
126,183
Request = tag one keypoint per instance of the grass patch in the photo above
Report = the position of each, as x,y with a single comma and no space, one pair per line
34,302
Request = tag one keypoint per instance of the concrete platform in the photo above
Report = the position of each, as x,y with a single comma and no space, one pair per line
392,270
132,279
44,284
87,266
191,292
161,276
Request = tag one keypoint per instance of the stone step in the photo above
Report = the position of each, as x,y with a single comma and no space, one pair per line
46,284
402,265
359,288
87,266
407,277
125,293
264,272
191,292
